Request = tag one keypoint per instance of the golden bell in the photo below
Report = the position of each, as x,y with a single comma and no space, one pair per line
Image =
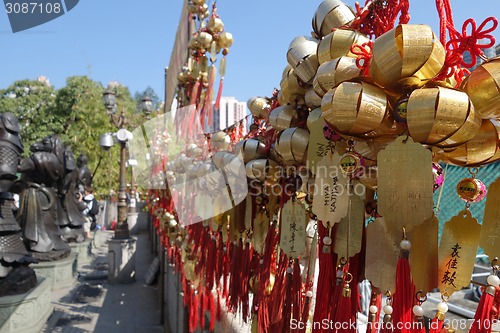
283,117
357,108
346,291
483,88
292,88
331,14
205,39
442,117
334,72
215,25
225,40
482,149
220,140
302,57
406,50
292,145
259,106
312,99
251,149
338,44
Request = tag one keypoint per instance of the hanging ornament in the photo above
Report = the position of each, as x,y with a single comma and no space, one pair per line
292,145
331,200
382,253
302,57
259,106
357,109
481,149
338,43
405,184
457,252
482,87
424,258
471,189
331,14
334,72
405,51
442,117
283,117
490,228
319,144
293,228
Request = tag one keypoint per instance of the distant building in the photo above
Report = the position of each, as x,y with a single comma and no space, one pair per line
44,80
231,112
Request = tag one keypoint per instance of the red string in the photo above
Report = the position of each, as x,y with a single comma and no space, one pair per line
364,55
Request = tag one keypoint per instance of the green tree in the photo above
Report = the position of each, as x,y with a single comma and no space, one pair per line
151,94
33,103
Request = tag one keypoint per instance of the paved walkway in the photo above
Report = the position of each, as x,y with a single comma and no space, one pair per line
93,305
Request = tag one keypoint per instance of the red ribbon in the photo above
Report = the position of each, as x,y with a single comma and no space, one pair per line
461,42
363,53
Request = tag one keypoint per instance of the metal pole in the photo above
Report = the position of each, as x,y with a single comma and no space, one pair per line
121,230
165,97
162,286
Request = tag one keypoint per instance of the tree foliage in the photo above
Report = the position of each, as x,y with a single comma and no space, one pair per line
77,114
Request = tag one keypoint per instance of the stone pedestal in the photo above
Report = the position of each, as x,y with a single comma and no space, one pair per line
83,251
121,260
132,223
60,273
28,312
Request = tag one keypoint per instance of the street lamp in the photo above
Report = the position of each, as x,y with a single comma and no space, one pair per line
146,105
106,140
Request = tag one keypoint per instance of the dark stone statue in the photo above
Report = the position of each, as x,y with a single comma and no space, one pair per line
15,275
48,211
84,173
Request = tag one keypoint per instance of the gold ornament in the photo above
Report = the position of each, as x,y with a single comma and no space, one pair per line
333,72
481,149
251,149
357,109
331,14
283,117
442,117
215,25
338,44
259,106
405,51
292,145
302,57
220,140
225,40
483,88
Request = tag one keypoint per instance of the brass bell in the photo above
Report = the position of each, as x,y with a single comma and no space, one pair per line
346,292
387,318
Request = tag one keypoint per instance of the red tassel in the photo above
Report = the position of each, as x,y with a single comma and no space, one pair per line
326,276
218,314
211,308
277,295
203,305
403,297
263,317
343,313
296,292
483,319
219,94
194,309
305,315
436,325
244,276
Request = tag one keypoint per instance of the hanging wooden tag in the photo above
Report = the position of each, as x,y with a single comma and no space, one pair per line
331,199
349,232
382,254
457,252
405,183
260,229
424,255
490,229
319,146
293,228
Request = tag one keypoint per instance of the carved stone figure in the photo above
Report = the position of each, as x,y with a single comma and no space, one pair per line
46,210
84,173
15,275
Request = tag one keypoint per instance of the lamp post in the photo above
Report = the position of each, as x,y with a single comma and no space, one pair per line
119,121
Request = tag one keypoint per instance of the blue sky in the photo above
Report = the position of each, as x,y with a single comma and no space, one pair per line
131,41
